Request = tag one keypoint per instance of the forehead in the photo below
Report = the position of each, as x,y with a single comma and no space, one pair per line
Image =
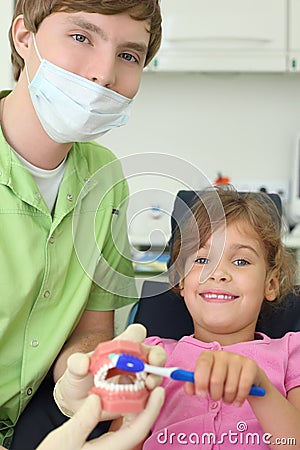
237,233
243,229
120,25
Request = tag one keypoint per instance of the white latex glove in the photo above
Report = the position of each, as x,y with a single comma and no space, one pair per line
73,387
73,434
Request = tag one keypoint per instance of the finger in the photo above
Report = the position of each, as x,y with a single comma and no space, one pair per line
218,377
247,378
76,382
78,364
136,431
232,383
189,388
72,434
84,420
152,381
203,370
157,357
134,332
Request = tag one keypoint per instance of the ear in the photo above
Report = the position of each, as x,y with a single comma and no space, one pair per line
20,36
272,286
181,288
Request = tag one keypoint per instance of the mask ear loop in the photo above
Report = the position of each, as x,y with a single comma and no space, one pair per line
38,55
36,49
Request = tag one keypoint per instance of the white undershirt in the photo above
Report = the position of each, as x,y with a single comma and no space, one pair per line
47,181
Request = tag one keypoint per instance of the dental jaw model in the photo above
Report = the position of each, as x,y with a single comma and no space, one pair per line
120,391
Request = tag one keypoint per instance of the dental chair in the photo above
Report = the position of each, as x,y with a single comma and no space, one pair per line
163,312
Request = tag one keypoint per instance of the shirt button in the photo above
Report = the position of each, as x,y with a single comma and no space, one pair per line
29,391
214,405
34,343
70,197
7,442
47,294
52,239
1,173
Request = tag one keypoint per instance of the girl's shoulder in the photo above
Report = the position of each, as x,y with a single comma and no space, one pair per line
287,347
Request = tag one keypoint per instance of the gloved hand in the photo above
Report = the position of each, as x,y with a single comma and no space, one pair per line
72,388
73,434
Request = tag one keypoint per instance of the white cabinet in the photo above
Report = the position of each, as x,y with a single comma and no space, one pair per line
223,35
294,36
6,72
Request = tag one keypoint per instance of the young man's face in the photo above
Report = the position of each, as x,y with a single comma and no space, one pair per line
108,50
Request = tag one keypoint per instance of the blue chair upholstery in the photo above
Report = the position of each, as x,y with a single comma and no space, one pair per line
163,312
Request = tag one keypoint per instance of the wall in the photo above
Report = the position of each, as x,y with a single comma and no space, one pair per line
243,125
239,124
6,7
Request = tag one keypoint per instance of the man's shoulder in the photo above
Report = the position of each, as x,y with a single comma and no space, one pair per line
95,150
4,93
96,155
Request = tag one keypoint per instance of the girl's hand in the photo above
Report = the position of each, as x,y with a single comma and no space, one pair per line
224,376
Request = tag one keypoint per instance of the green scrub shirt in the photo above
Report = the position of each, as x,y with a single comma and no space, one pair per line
54,266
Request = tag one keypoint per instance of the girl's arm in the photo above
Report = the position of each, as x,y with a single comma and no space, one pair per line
278,415
229,376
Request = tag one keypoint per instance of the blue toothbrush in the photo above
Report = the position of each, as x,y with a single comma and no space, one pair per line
133,364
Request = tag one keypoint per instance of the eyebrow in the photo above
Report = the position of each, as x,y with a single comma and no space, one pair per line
139,47
82,23
245,247
234,247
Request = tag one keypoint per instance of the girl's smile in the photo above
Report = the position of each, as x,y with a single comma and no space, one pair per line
216,296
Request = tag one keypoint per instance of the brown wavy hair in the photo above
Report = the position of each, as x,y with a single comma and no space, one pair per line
221,206
35,11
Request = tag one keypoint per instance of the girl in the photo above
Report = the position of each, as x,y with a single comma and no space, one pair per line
224,277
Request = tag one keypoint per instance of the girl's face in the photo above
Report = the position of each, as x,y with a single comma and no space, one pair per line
224,292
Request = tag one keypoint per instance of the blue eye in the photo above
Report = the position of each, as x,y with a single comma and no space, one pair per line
201,261
128,57
240,262
80,38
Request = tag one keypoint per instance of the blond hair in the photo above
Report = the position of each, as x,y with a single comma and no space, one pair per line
223,206
35,11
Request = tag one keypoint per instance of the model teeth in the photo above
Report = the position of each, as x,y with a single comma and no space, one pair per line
112,387
100,381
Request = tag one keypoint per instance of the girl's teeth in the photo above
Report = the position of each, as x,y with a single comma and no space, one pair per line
219,296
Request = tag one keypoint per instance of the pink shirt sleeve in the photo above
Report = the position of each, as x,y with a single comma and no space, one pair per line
292,379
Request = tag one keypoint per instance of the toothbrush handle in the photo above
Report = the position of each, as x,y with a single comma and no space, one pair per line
184,375
256,390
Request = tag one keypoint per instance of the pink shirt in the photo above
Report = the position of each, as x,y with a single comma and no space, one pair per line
193,422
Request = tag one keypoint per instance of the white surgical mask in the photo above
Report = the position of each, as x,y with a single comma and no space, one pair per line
72,108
